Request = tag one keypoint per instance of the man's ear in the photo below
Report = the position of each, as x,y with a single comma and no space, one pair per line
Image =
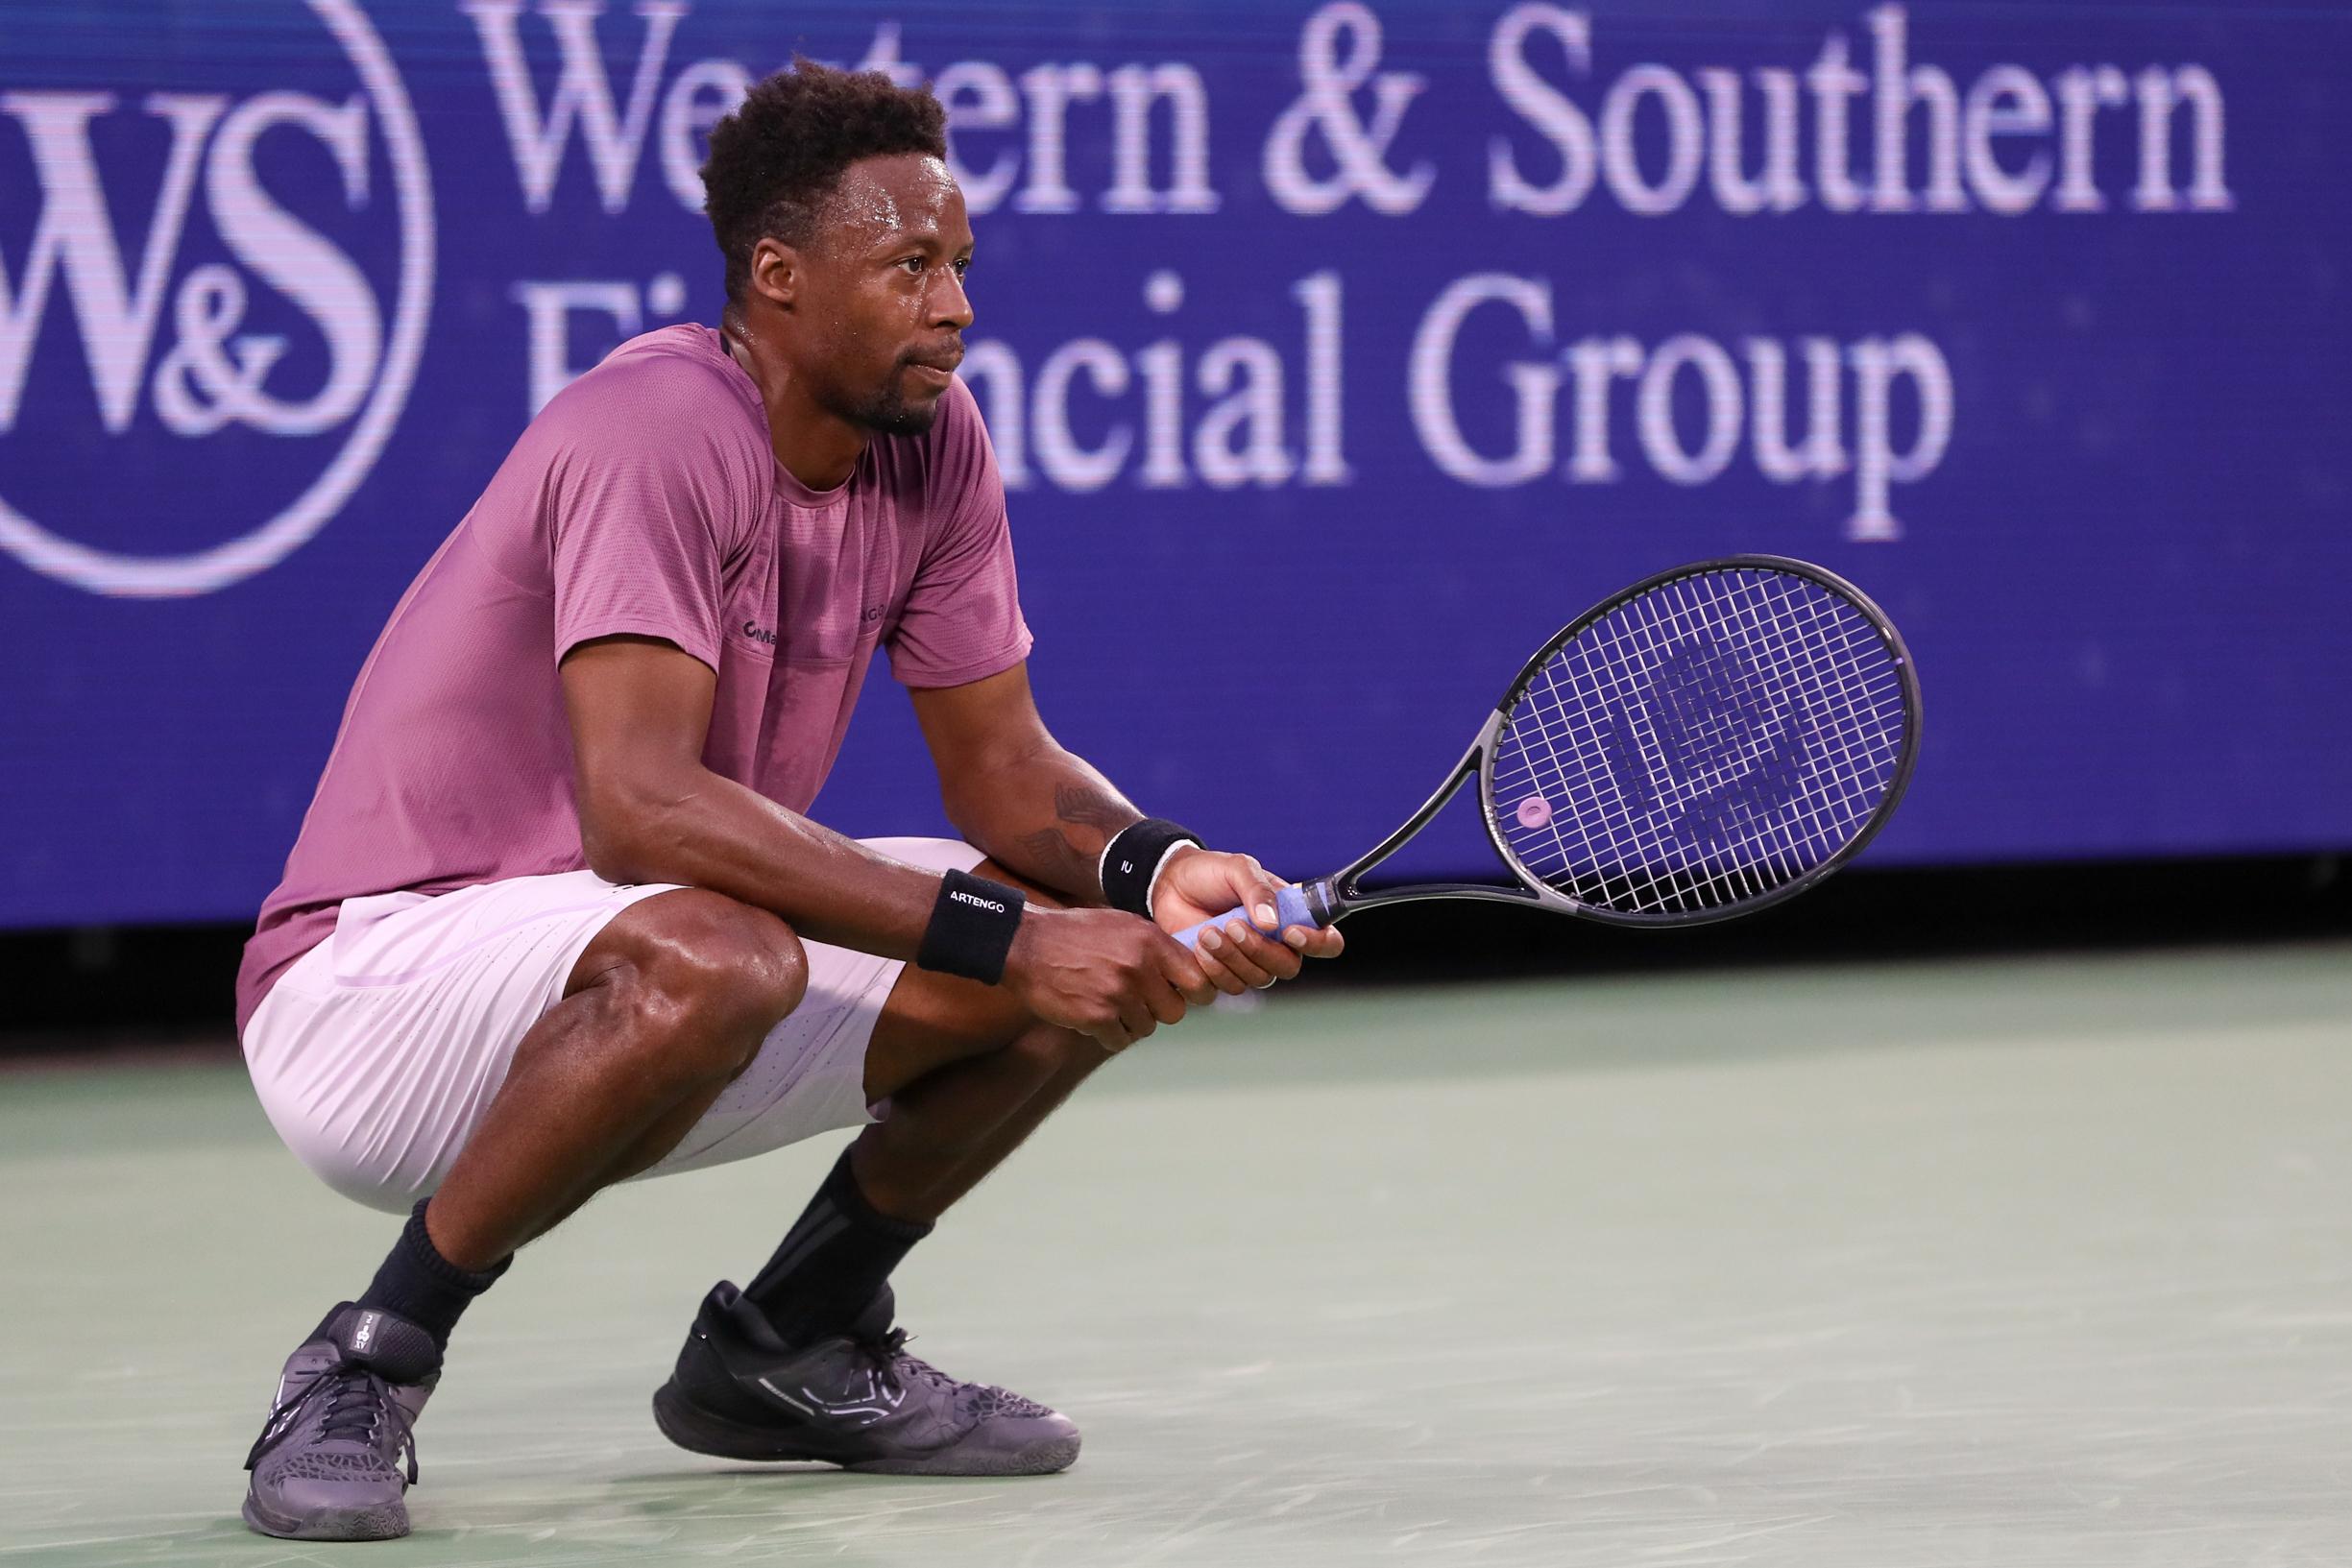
777,273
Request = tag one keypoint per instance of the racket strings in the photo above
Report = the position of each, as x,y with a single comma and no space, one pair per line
1831,815
1699,745
1680,873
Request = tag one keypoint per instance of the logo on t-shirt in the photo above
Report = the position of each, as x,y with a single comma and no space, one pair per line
766,636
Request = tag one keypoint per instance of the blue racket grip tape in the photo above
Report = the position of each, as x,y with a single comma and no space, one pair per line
1290,909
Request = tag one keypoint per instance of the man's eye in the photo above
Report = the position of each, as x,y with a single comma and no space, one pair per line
963,264
913,265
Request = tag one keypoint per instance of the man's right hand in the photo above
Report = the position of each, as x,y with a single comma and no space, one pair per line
1111,976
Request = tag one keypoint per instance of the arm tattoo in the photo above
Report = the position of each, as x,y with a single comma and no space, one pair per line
1062,863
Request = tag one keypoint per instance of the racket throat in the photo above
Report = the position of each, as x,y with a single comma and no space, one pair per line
1342,894
1323,900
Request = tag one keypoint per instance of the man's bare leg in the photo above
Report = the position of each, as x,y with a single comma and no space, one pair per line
969,1076
963,1066
796,1364
951,1126
1069,1062
667,1004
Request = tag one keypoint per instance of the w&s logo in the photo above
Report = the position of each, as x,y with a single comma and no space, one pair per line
190,277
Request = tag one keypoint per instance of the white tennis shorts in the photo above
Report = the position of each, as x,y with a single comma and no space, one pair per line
378,1052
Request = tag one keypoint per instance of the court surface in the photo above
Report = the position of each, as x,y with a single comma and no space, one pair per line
2015,1263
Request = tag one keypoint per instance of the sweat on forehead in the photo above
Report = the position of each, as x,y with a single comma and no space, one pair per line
878,198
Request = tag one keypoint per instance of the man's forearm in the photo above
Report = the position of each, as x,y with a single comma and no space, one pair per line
704,830
1045,815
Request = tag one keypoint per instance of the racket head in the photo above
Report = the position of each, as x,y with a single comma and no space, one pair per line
1706,744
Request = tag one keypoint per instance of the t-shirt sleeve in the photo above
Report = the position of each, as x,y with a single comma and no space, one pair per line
962,618
645,503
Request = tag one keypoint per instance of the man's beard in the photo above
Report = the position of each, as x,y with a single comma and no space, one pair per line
887,412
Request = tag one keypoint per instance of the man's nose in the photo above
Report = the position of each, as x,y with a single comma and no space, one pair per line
949,306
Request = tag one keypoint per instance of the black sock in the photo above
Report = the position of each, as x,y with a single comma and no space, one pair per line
832,1262
423,1286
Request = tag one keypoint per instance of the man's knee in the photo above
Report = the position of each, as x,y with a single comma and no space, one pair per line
1054,1053
709,976
933,1020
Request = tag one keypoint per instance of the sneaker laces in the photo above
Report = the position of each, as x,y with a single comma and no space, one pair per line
357,1399
889,1354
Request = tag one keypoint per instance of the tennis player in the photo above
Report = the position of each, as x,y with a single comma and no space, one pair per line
556,917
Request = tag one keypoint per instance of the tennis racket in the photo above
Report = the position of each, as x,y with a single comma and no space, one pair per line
1711,741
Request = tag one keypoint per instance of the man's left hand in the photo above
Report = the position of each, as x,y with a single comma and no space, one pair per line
1198,884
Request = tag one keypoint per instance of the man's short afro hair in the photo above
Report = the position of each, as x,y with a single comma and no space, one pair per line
779,156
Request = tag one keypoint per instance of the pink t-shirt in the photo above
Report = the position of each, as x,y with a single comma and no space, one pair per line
644,499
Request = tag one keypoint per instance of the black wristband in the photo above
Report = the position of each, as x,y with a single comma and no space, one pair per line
1133,859
972,925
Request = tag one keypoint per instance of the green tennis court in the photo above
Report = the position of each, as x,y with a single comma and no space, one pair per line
2035,1261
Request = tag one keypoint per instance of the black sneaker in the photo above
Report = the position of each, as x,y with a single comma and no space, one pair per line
858,1401
327,1466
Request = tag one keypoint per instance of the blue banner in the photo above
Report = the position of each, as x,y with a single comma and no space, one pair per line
1377,338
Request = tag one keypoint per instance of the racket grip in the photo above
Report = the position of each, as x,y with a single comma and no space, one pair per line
1291,908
